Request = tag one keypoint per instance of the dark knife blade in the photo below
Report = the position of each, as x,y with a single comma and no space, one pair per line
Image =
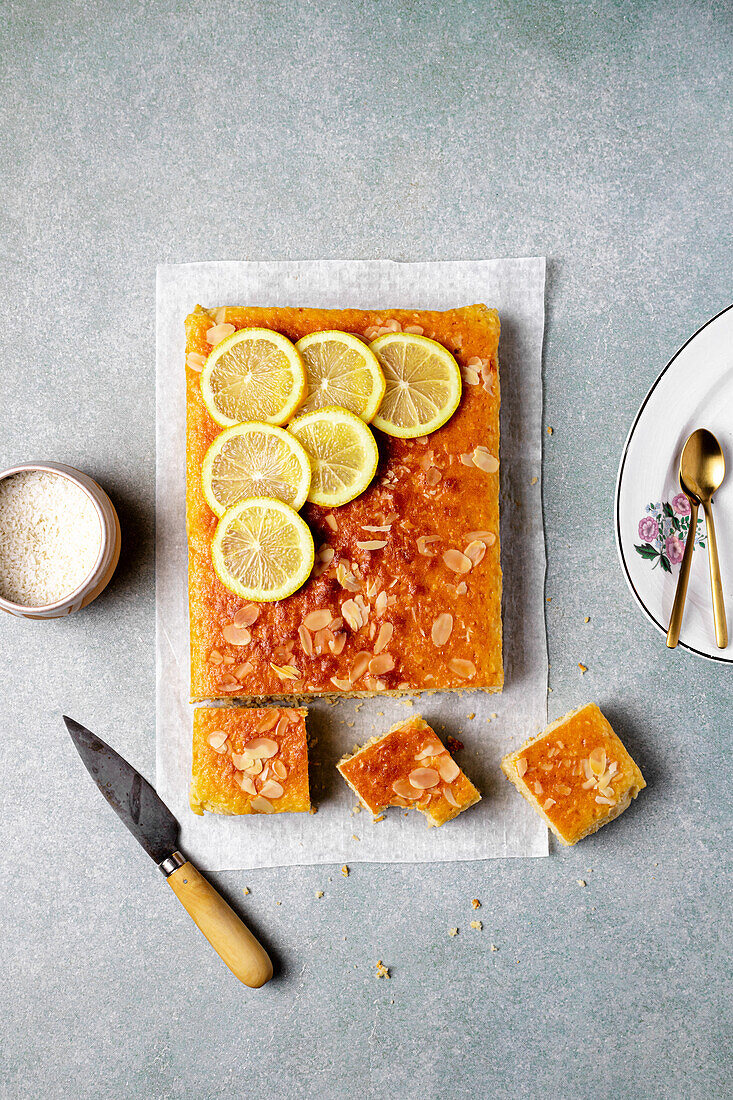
131,797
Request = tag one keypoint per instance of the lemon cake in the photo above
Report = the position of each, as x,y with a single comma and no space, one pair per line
405,590
409,766
249,761
576,774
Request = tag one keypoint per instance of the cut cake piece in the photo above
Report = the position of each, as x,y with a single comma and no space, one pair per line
409,766
406,591
248,761
576,774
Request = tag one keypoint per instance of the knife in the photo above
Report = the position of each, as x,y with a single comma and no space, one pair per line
154,826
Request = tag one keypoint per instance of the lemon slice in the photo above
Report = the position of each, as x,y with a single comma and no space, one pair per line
254,374
342,451
341,370
255,460
423,384
262,550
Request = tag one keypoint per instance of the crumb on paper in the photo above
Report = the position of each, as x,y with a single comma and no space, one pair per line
582,882
319,894
379,817
313,810
245,889
472,715
351,724
477,925
550,431
534,481
345,871
549,599
475,903
382,970
452,931
586,619
494,947
583,668
278,903
354,836
356,810
494,714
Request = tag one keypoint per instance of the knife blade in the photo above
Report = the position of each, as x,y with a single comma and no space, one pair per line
156,829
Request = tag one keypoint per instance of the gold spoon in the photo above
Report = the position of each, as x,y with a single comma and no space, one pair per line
702,469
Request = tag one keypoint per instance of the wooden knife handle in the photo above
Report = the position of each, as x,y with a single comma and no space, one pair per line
230,938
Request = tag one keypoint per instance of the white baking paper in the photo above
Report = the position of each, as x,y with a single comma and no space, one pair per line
502,824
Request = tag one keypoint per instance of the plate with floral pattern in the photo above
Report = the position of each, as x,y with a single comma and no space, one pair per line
695,390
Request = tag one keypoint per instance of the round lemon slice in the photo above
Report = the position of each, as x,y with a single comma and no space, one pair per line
255,460
341,370
342,451
423,384
254,374
262,550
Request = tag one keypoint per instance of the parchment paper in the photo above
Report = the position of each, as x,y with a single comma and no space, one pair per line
489,725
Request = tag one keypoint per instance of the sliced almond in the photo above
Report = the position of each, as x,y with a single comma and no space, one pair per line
317,620
448,769
215,658
331,522
374,544
423,541
424,778
359,666
433,476
243,670
305,640
538,788
465,669
457,561
337,643
470,376
271,789
282,727
261,806
268,721
218,333
262,748
442,629
196,362
485,461
247,615
450,797
216,738
242,761
547,803
606,801
279,769
522,766
342,685
246,783
475,551
403,789
381,664
285,672
236,635
597,761
352,614
384,637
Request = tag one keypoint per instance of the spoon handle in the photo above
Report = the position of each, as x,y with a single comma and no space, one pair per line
678,607
721,629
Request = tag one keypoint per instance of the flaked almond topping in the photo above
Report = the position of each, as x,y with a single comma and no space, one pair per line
467,459
285,672
194,361
242,670
605,801
242,761
372,545
426,752
456,561
279,769
347,579
448,769
597,761
330,521
376,530
337,643
247,615
342,685
317,620
236,635
450,797
553,751
560,744
475,362
433,476
425,800
282,726
384,637
262,748
305,640
442,629
465,669
547,803
612,768
485,461
470,376
607,792
381,664
561,788
220,315
461,589
416,329
475,550
423,541
538,788
325,554
215,658
247,784
261,806
352,614
522,766
588,784
228,659
216,738
255,767
271,789
293,716
264,769
426,460
404,789
218,333
229,683
359,666
268,721
424,778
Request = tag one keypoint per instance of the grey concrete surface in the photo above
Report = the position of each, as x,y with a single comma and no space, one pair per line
139,132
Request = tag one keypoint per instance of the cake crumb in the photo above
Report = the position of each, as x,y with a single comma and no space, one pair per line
586,619
473,715
354,836
494,947
350,723
477,925
549,599
494,714
534,481
313,810
379,817
278,903
550,431
582,882
356,810
475,903
345,871
452,931
583,668
319,894
245,889
382,970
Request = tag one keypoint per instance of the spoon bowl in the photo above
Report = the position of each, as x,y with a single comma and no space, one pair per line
702,466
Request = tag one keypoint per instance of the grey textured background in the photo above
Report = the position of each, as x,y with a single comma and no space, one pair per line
141,132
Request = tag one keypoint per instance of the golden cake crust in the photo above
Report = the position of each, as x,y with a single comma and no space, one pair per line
391,758
424,488
216,784
577,774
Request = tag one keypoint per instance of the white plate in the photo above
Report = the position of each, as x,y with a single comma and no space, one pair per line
695,390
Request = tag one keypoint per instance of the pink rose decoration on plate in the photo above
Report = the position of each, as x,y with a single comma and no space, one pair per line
675,549
648,529
681,505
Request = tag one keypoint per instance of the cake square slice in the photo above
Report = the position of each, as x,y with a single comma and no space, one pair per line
423,610
248,761
409,766
576,773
